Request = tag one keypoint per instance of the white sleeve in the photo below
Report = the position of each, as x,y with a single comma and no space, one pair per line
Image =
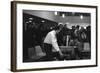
54,43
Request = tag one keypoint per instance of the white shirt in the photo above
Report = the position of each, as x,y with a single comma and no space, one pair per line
51,39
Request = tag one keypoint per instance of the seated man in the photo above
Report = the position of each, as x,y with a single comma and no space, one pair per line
51,41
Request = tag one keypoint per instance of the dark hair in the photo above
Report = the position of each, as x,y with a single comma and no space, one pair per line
77,26
58,27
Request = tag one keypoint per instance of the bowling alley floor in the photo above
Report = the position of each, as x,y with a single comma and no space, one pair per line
39,56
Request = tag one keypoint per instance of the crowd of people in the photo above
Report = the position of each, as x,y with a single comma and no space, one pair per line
75,34
36,35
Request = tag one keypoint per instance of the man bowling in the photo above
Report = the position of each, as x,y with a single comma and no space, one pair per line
50,42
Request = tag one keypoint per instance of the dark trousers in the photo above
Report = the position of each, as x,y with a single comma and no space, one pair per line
49,54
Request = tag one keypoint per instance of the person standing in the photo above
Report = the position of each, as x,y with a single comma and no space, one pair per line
51,41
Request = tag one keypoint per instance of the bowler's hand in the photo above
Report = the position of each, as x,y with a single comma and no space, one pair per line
61,54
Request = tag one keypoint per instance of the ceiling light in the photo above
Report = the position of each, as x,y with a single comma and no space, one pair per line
30,21
81,16
56,13
63,15
42,21
30,18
